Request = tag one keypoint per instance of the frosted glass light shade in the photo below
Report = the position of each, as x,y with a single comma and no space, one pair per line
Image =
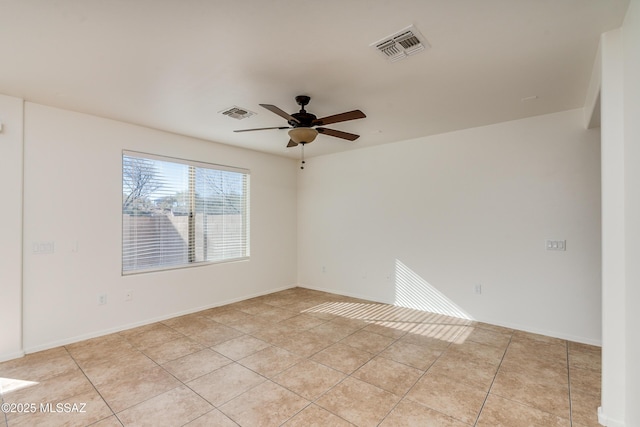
303,135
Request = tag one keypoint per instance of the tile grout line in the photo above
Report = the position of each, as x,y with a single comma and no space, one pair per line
493,381
184,384
313,402
377,317
136,348
217,407
113,413
158,365
569,384
416,382
529,405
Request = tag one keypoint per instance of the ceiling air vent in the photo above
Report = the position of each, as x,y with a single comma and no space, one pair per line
237,112
398,46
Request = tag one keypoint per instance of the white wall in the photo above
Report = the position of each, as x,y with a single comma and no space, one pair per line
438,215
621,222
631,40
613,232
11,228
73,198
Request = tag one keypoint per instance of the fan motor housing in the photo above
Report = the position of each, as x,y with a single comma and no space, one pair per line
304,119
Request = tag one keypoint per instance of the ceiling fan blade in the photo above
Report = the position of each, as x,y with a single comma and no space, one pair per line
251,130
343,117
291,143
338,134
279,112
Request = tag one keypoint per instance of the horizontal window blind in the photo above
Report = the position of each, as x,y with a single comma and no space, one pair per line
178,213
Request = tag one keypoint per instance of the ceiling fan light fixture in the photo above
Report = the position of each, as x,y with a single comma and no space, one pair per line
303,135
305,126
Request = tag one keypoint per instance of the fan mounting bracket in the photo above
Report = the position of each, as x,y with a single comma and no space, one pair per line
303,100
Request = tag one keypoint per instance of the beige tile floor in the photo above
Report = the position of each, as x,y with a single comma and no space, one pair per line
307,358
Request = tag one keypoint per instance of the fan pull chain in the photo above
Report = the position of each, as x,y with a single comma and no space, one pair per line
302,167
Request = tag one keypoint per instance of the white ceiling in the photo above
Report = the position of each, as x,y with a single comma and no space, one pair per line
175,64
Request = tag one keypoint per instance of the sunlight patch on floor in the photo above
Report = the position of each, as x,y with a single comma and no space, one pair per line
8,385
417,322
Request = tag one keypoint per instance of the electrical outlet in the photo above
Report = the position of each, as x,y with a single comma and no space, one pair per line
477,289
128,295
102,299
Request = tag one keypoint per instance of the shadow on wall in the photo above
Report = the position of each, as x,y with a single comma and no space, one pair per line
412,291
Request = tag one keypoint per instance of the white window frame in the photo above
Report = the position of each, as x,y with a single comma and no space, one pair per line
195,238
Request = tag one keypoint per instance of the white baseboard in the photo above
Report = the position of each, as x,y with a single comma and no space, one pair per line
604,420
10,356
345,294
553,334
524,328
120,328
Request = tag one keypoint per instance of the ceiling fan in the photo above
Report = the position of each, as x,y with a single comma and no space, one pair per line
303,124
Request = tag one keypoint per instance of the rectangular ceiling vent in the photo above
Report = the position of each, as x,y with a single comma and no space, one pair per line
404,43
237,112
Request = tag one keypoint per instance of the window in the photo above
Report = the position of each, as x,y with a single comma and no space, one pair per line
178,213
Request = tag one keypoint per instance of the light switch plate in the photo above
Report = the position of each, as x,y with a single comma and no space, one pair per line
556,245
